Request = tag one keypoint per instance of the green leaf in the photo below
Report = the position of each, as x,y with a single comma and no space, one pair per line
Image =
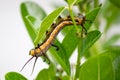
14,76
97,68
60,57
46,74
31,9
88,41
70,41
114,49
61,62
115,2
87,54
89,67
112,40
33,22
46,24
84,45
62,53
91,16
114,55
116,65
65,78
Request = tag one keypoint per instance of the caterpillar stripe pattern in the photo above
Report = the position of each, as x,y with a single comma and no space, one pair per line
41,49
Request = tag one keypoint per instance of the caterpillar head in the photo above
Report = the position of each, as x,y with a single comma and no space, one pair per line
35,52
81,16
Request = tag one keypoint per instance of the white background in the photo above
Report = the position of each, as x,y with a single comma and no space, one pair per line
14,40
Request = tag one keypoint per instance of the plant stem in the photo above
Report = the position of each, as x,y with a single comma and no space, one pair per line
72,16
78,61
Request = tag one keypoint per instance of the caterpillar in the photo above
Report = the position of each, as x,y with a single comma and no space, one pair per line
42,48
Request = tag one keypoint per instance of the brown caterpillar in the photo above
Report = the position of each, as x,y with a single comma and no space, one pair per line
41,49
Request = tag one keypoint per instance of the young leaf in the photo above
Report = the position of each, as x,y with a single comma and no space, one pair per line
91,16
14,76
88,41
31,8
46,23
46,74
97,68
